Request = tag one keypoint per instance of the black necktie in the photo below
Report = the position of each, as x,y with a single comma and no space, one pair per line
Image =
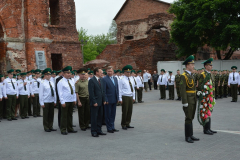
130,84
170,79
24,86
233,77
99,82
134,81
38,84
161,78
12,85
70,86
141,79
51,88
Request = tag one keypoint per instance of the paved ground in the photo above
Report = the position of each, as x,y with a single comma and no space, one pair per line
158,134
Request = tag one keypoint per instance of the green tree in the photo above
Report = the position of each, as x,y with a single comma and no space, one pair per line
113,31
215,23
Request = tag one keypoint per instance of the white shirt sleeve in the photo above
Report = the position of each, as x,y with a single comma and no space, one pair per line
60,93
41,94
4,88
120,89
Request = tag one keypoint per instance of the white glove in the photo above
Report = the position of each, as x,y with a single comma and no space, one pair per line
185,105
199,92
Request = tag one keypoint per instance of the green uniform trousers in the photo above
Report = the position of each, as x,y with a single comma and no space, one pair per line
216,90
162,91
29,109
48,115
225,90
220,90
139,94
10,106
1,108
66,117
178,91
23,99
171,91
234,88
36,105
127,107
146,86
135,93
189,112
84,112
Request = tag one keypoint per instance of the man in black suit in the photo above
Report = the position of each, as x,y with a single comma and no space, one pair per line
97,98
58,103
110,86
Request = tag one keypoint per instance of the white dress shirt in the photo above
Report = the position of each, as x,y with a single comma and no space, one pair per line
21,89
45,93
172,80
230,78
53,80
8,88
76,78
139,81
164,80
145,77
125,89
64,91
133,79
34,86
1,90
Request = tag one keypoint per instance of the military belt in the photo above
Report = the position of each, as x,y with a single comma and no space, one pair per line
190,91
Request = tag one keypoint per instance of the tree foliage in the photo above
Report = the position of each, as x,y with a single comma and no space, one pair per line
93,44
215,23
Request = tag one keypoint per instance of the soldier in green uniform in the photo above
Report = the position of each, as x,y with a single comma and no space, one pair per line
188,92
177,85
208,67
216,77
81,89
221,84
225,82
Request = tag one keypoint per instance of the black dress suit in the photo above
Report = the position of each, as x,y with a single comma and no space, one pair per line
59,104
96,95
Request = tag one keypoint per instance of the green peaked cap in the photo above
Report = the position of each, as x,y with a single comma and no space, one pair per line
47,71
162,70
18,70
189,60
127,68
133,71
140,71
10,71
37,71
23,74
234,67
67,69
209,61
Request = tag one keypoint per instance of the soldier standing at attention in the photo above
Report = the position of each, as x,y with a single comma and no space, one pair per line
225,81
233,82
35,85
10,93
177,81
188,92
47,99
81,89
145,80
126,97
162,81
208,68
216,84
67,96
140,85
221,84
171,81
24,94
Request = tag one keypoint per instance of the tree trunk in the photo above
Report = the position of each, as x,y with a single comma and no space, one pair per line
218,54
229,54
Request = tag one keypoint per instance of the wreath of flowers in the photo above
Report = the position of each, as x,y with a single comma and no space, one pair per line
206,101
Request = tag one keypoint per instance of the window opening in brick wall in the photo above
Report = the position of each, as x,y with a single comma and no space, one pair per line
56,61
54,18
1,32
128,37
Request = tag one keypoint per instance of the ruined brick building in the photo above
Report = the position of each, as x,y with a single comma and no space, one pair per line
143,35
38,34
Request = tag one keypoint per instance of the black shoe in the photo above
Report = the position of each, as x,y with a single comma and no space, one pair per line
72,131
169,99
35,116
30,115
233,101
88,127
160,98
208,132
64,133
130,127
23,117
39,116
213,131
110,131
73,125
26,117
115,130
83,129
125,128
194,138
47,130
189,140
14,118
1,118
9,119
53,129
95,135
101,133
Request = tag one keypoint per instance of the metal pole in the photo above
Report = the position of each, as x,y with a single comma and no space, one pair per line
82,54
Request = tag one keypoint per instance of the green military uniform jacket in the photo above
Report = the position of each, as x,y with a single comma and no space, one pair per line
177,79
202,77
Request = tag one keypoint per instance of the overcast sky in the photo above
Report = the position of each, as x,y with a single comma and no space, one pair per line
96,15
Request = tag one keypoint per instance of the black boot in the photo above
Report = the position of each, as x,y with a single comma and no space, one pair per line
188,133
206,129
210,126
192,137
180,98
